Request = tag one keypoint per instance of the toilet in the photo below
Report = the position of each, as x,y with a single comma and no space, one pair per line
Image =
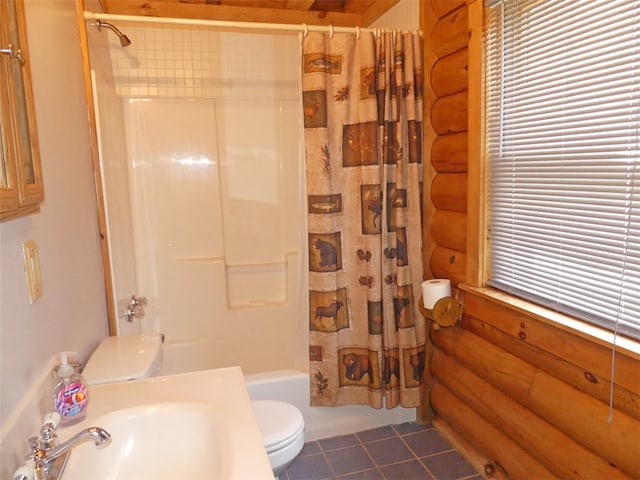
282,428
134,356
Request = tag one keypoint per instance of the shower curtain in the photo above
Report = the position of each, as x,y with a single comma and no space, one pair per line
362,106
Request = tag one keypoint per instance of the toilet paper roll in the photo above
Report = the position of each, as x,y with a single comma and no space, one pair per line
434,290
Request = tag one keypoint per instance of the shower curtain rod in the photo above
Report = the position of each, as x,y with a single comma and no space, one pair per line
227,24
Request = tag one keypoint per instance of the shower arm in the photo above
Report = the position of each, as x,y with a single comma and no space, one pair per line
124,40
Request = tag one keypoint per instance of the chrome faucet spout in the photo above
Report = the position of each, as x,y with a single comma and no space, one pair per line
99,436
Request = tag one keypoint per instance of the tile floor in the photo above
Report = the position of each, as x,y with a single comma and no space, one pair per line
397,452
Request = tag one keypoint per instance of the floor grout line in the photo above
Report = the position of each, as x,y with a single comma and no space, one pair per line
437,453
392,436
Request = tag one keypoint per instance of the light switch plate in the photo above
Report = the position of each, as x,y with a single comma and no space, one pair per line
32,269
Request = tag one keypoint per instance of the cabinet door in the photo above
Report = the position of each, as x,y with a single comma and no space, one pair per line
8,176
21,188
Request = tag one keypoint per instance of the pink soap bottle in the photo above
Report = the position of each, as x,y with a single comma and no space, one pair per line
70,395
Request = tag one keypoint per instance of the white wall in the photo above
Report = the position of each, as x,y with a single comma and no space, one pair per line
71,314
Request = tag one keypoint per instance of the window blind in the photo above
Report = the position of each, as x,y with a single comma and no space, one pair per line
563,145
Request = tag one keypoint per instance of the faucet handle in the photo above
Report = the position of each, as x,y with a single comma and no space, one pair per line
25,471
53,418
48,436
138,301
135,308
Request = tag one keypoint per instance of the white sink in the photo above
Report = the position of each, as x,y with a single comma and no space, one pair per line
157,441
198,425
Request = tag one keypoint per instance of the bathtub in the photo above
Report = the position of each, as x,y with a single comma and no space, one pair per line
292,386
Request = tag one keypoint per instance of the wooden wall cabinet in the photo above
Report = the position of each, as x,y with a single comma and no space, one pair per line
21,187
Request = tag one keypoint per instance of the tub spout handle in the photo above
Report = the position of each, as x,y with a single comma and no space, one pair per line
135,308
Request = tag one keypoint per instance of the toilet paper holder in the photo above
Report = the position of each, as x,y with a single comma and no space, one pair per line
446,312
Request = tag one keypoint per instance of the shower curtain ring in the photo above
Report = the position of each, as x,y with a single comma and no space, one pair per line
357,32
306,30
330,31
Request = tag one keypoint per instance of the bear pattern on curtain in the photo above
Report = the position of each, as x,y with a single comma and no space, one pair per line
362,107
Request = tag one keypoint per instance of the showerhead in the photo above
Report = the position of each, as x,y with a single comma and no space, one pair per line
124,40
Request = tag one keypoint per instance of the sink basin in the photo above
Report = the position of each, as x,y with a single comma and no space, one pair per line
196,425
156,441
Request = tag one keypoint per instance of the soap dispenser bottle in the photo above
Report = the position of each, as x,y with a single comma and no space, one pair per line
70,396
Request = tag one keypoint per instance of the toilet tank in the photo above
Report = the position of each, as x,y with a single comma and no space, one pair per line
124,357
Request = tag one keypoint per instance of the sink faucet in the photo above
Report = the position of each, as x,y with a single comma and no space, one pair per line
100,437
45,450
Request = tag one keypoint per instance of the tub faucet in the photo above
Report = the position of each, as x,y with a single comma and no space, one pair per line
46,450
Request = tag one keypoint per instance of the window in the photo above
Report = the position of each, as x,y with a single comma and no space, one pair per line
563,146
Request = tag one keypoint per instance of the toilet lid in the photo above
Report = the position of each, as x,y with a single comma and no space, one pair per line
123,357
279,422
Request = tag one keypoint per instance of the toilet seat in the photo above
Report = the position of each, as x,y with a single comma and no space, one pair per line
280,423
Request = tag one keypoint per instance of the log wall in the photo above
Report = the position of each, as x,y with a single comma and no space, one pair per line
525,398
446,39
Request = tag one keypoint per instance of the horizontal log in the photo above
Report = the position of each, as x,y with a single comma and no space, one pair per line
449,114
441,7
449,229
449,153
447,263
450,33
575,375
593,357
449,192
449,74
481,462
577,414
554,449
516,462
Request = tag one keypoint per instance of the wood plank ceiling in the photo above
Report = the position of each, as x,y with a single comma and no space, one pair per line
346,13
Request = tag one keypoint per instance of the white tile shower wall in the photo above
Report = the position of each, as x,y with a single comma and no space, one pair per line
195,62
244,74
213,119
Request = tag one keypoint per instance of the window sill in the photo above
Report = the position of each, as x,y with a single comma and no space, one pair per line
624,344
